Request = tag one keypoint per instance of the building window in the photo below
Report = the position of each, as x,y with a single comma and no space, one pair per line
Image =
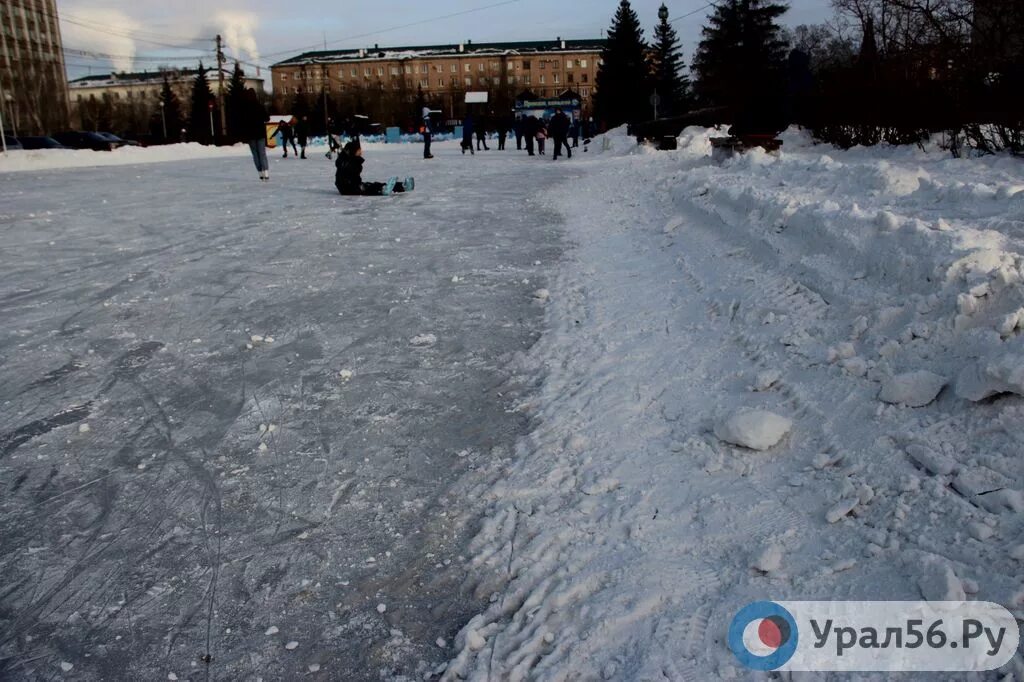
569,78
512,80
424,84
355,72
526,79
482,67
408,69
526,64
469,67
482,81
543,64
556,79
494,66
380,70
585,92
568,63
366,72
584,78
583,63
284,76
542,79
455,68
469,81
394,71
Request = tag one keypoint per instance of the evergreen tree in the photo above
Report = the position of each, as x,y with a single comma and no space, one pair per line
740,63
170,114
234,102
669,82
623,79
199,118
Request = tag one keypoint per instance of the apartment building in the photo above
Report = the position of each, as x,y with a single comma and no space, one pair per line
33,83
443,72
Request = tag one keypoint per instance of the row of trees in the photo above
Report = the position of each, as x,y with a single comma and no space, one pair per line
881,70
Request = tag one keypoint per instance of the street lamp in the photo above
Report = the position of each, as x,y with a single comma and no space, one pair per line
163,119
663,13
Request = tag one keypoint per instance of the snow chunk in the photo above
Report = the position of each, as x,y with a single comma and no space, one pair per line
840,509
914,389
66,667
938,582
345,374
769,560
754,429
423,340
381,608
313,667
986,378
292,645
542,295
272,630
767,379
84,428
931,461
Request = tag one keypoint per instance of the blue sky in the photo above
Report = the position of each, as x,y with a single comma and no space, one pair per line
138,33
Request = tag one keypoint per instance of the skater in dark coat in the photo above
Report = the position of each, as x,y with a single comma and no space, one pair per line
254,130
349,176
517,127
481,133
559,128
287,136
502,128
302,135
468,125
530,127
574,133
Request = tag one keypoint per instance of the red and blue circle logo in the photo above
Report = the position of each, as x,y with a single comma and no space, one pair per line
763,635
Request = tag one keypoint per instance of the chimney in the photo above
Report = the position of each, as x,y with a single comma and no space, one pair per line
562,42
462,48
362,53
376,46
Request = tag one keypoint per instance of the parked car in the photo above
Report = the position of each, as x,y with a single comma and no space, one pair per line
76,139
119,141
40,143
12,142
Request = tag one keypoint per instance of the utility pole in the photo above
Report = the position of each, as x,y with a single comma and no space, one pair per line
220,79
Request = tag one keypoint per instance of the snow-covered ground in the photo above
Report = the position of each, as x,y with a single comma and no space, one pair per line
224,431
625,533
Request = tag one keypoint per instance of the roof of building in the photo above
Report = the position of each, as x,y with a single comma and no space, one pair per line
468,48
144,77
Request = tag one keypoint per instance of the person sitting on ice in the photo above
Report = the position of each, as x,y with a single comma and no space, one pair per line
349,176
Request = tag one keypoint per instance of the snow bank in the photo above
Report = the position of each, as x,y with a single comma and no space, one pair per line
44,159
620,539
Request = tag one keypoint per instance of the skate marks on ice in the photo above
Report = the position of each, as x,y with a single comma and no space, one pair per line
222,468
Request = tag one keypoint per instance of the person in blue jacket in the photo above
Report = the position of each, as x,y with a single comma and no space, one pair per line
468,125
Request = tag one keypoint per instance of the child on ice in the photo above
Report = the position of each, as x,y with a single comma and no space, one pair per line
349,181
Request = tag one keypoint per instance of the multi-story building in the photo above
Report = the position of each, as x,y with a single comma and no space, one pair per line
443,72
33,83
135,96
146,86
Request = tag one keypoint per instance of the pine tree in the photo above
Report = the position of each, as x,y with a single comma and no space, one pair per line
234,102
623,79
168,115
199,118
740,62
669,82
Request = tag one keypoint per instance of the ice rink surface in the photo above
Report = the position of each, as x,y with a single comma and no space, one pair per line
232,411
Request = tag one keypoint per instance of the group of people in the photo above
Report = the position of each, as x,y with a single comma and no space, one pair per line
535,132
290,134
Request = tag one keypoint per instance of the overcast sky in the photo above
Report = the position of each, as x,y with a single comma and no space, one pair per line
140,34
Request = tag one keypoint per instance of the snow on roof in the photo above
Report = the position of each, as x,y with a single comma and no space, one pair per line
145,77
399,53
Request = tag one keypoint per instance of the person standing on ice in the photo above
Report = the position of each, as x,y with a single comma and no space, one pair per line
560,133
502,127
287,135
255,128
349,176
517,127
468,125
302,134
541,135
427,131
481,132
530,126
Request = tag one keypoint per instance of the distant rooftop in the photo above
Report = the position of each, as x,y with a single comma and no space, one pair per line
141,77
420,51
